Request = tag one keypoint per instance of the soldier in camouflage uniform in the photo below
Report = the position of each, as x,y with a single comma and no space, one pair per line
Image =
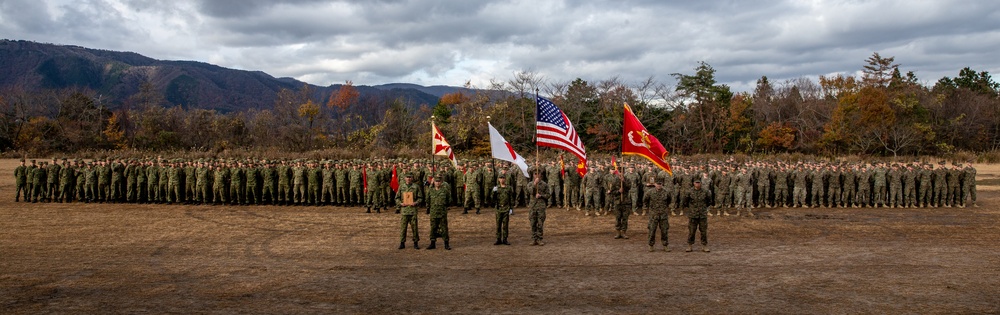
536,215
969,185
473,182
592,190
925,174
571,185
657,200
781,187
894,177
864,187
799,179
633,180
620,203
850,186
373,196
21,181
52,180
504,196
879,182
39,177
284,174
952,179
327,192
697,203
220,184
315,177
356,187
203,184
269,176
67,182
408,211
909,190
833,187
817,191
940,186
438,198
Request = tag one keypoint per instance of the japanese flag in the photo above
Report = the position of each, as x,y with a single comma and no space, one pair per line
503,151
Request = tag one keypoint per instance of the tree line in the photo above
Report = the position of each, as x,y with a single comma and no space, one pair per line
879,112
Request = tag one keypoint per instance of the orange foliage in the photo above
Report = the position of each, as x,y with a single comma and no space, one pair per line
346,96
454,98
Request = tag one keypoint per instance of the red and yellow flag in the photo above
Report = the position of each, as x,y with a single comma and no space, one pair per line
637,141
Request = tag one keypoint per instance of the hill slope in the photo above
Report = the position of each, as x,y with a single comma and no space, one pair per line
118,75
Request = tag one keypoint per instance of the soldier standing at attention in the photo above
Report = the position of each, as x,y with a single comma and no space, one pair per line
67,186
539,200
356,186
21,179
657,200
473,179
969,185
315,179
697,202
634,181
620,203
504,196
593,187
438,199
52,190
408,210
38,177
327,195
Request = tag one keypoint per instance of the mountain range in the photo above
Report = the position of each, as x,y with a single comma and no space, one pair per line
117,75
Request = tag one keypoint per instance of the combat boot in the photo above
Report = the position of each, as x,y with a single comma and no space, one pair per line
666,249
369,210
749,213
433,244
477,210
465,211
689,248
402,245
625,234
498,242
706,249
415,246
651,248
505,241
446,246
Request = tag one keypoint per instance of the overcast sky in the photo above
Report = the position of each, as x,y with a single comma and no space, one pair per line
449,42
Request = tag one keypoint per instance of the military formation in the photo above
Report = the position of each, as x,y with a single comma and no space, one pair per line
622,189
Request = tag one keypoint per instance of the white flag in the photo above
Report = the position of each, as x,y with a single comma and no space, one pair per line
503,151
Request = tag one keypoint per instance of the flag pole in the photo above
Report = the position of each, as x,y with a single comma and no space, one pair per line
535,136
433,166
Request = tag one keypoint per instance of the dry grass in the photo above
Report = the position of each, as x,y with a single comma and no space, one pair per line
92,258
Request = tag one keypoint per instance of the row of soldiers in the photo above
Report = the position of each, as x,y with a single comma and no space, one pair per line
744,186
733,185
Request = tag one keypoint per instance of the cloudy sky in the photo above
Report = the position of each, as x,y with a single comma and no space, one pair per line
449,42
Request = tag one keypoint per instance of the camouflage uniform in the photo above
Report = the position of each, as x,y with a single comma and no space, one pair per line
52,180
473,179
879,178
220,187
315,178
697,203
21,180
781,188
593,181
408,213
536,215
657,200
284,173
438,199
969,185
504,196
67,184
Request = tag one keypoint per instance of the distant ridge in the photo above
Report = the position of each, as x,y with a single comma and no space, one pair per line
192,84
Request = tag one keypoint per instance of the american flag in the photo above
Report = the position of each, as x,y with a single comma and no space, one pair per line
553,129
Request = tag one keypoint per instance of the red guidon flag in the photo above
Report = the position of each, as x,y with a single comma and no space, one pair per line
394,182
637,141
441,146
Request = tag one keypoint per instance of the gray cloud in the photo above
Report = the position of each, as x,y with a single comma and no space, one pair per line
452,41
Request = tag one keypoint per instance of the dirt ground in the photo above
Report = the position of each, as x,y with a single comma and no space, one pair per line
99,258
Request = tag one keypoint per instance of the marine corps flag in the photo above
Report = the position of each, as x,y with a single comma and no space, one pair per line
441,146
637,141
